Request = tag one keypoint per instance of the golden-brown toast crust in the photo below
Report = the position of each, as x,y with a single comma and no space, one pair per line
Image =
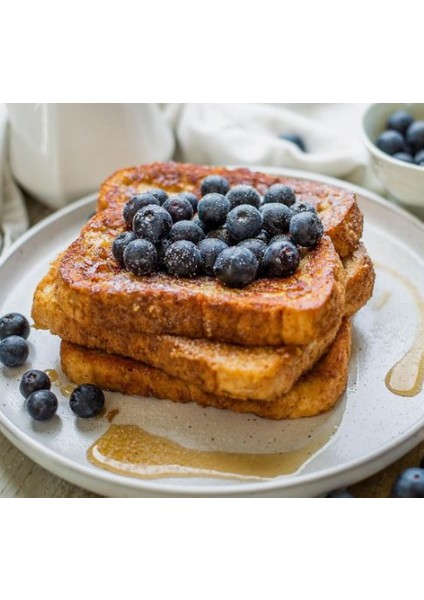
341,217
268,312
259,373
360,279
315,392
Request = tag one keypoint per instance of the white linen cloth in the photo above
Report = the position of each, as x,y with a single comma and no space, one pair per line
245,134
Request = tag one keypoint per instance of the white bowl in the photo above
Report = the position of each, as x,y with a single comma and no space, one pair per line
403,181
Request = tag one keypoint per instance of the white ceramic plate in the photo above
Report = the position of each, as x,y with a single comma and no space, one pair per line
369,428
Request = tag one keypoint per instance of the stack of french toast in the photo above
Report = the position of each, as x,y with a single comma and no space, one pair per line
278,347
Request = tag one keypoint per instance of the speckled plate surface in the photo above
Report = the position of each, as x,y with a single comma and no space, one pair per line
369,428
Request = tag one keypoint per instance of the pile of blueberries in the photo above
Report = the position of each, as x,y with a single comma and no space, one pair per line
232,234
403,138
86,400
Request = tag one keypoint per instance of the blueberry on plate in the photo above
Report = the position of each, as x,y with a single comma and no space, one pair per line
299,207
209,250
42,405
186,230
214,183
306,229
14,324
399,121
256,246
342,493
409,484
87,400
419,158
404,156
191,198
120,243
136,203
276,218
280,193
281,259
159,194
152,223
33,381
415,135
243,194
213,210
140,257
179,208
390,142
243,221
236,267
295,139
183,259
220,234
13,351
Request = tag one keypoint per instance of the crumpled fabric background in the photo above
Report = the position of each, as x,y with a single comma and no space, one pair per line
233,134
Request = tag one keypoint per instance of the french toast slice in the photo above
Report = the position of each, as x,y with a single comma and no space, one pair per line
337,207
316,392
94,290
259,373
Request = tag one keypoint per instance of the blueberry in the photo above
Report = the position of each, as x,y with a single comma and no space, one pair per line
220,234
390,142
186,230
183,259
32,381
191,198
159,194
200,224
399,121
256,246
244,194
152,223
404,156
295,139
140,257
409,484
120,243
13,351
14,324
87,400
136,203
419,158
179,208
306,229
243,222
281,237
276,218
210,249
281,259
280,193
41,405
236,267
263,236
342,493
213,210
161,249
299,207
214,183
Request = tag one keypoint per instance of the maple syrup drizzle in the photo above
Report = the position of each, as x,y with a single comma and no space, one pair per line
132,451
53,374
406,377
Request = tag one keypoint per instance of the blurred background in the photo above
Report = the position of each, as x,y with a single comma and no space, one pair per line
54,154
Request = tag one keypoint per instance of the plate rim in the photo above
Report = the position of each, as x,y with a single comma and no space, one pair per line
53,461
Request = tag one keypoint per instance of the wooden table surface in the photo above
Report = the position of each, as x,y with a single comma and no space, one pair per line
20,477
